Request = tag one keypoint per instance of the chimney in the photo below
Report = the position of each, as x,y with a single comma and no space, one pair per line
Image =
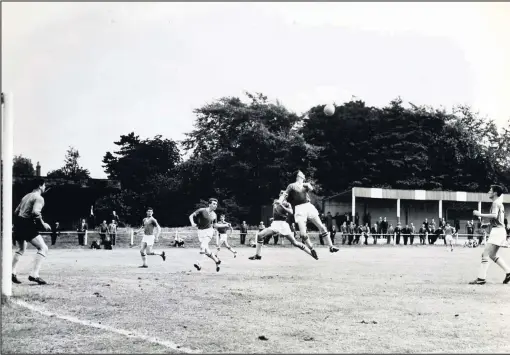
38,170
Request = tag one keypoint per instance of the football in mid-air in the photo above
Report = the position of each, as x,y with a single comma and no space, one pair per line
329,110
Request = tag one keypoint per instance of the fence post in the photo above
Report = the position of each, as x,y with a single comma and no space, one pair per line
85,239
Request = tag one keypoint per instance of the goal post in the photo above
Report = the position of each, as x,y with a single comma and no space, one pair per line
6,174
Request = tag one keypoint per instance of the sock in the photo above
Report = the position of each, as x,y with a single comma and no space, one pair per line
144,259
484,266
231,249
37,264
213,257
259,249
326,236
501,263
15,260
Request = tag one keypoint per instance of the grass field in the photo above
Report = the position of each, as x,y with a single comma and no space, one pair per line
362,299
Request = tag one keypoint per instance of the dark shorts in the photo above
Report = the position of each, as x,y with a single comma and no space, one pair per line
25,230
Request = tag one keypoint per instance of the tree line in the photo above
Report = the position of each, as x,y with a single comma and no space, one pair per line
243,152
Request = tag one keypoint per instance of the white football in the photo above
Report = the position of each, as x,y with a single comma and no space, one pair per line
329,110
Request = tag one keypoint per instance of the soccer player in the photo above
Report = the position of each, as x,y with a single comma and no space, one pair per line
149,223
448,235
205,219
222,226
28,222
496,238
297,195
280,225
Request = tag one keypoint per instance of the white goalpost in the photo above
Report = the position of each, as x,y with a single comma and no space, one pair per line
6,128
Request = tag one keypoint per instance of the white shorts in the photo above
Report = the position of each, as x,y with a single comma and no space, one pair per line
223,237
204,237
448,237
281,227
304,212
497,236
149,239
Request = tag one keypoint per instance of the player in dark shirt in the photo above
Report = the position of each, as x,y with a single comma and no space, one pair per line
205,218
297,195
28,222
222,226
280,225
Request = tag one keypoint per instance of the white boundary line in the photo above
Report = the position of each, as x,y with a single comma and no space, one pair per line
127,333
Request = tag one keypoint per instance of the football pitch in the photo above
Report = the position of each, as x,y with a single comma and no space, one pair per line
375,299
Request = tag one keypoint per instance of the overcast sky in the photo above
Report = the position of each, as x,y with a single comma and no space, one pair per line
82,74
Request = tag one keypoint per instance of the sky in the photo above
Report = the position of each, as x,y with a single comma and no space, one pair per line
83,74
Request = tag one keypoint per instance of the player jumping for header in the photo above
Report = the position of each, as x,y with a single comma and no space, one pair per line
149,223
297,195
222,226
205,220
497,236
280,224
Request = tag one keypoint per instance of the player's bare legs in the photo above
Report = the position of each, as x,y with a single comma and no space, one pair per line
151,252
42,251
324,233
207,253
304,237
299,245
230,248
265,233
143,247
490,253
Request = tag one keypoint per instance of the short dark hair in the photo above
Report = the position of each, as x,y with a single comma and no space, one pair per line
212,199
149,209
38,182
222,215
498,189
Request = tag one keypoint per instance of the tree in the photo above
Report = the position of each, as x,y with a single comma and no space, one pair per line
147,171
71,168
406,148
22,166
244,152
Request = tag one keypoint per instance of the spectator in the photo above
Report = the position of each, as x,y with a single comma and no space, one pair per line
55,233
358,230
384,227
366,232
92,218
406,232
115,217
457,225
398,233
374,231
103,230
112,231
350,233
178,241
413,232
379,225
356,219
424,233
369,218
82,229
389,233
470,230
339,221
344,232
426,223
244,232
